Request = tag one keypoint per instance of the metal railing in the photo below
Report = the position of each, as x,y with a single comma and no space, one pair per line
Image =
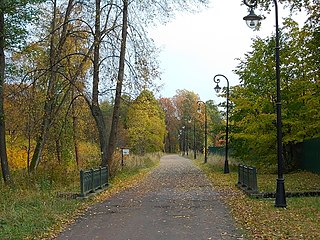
247,178
92,180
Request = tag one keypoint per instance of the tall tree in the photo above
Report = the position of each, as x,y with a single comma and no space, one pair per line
120,78
56,51
13,17
3,149
95,107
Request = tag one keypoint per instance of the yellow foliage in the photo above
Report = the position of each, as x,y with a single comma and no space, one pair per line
89,154
17,157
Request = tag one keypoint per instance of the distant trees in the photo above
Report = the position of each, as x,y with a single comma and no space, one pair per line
185,125
171,141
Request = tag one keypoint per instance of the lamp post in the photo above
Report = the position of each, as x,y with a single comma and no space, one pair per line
205,129
183,140
180,140
187,139
194,140
280,192
217,88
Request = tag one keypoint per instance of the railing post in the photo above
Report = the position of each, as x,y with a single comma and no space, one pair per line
242,175
82,193
250,180
244,182
255,180
239,173
92,179
100,177
107,177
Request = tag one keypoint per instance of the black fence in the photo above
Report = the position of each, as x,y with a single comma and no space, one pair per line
92,180
247,178
310,157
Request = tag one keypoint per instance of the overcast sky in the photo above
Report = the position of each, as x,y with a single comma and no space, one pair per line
196,47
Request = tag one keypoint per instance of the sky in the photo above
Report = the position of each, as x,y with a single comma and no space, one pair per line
196,47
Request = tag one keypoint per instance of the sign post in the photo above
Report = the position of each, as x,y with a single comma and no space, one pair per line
124,151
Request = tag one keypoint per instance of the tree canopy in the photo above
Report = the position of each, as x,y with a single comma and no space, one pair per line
146,124
254,134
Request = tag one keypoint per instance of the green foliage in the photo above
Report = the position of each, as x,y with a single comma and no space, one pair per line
30,207
146,124
18,13
215,123
253,115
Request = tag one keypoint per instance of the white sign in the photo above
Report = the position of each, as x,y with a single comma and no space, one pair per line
125,151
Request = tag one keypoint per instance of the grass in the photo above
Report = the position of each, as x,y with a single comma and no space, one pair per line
31,210
258,218
294,182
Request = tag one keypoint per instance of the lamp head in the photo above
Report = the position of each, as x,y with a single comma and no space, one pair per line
252,20
199,109
217,88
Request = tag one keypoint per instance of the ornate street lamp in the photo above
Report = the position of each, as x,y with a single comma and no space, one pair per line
217,88
205,129
188,122
280,192
184,140
194,140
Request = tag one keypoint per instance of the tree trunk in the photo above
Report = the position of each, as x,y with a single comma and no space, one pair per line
3,148
55,54
116,109
75,127
95,107
49,101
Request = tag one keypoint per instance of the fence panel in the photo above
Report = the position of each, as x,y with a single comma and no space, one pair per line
311,155
247,178
93,179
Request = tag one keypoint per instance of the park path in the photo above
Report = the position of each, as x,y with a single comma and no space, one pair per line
176,201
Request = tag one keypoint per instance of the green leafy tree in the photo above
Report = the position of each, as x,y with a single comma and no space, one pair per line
146,124
255,102
216,126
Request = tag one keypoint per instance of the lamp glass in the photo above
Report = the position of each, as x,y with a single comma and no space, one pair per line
217,88
252,23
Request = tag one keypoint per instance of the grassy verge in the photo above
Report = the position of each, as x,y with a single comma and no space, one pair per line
258,217
31,210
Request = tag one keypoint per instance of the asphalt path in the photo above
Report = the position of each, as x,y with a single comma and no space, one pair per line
176,201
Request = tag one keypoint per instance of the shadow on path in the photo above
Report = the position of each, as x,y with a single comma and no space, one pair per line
176,201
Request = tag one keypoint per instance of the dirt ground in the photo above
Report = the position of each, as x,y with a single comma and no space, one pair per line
176,201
